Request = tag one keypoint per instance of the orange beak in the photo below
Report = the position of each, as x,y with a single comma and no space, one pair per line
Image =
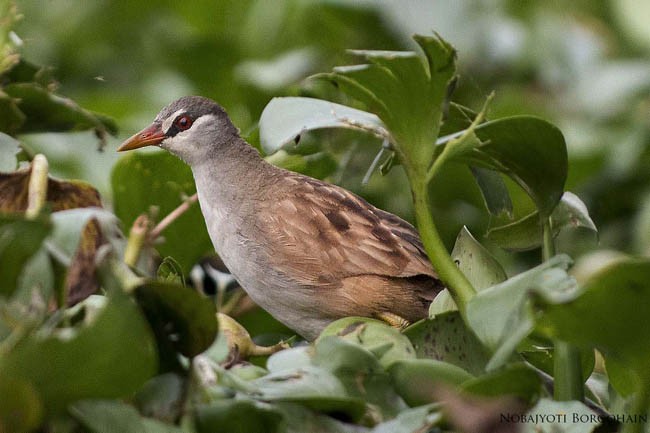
149,136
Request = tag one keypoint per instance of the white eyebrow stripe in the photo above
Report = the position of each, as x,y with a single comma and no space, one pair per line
167,123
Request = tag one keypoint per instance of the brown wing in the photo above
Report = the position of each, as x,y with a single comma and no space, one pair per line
329,234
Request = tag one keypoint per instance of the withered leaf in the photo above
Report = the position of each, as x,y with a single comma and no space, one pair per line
61,194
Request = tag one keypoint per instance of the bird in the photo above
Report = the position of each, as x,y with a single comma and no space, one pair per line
307,251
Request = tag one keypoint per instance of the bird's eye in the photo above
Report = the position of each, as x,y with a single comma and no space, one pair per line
183,122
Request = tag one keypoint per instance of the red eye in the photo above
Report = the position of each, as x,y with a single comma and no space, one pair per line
183,122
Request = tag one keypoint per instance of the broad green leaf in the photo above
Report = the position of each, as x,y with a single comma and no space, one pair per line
517,380
558,416
312,387
476,263
406,94
101,416
465,142
161,397
419,419
9,147
457,118
526,233
479,265
179,315
48,112
501,316
288,359
300,419
91,361
318,165
529,150
11,118
447,338
20,239
611,315
248,372
158,179
285,119
386,342
493,190
360,373
240,415
21,409
539,352
416,379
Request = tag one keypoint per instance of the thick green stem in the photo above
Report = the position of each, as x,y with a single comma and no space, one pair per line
567,368
568,372
459,286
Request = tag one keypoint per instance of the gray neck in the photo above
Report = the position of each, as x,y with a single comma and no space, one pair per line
230,174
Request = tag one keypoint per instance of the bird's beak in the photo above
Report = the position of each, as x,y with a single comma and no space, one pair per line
149,136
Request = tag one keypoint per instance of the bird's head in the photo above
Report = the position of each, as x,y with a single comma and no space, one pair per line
192,128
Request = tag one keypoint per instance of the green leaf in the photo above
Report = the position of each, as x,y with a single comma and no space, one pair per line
611,315
158,179
476,263
9,147
47,112
92,361
169,271
238,416
288,359
285,119
417,379
406,94
10,16
162,397
179,315
100,416
360,373
318,165
20,239
419,419
312,387
539,352
526,233
11,118
479,265
517,380
501,316
529,150
493,190
386,342
20,408
447,338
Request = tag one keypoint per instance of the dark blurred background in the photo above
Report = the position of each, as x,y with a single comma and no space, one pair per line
583,65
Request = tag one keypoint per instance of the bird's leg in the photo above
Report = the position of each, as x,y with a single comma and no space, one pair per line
393,320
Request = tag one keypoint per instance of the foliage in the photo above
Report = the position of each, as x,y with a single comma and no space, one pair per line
91,343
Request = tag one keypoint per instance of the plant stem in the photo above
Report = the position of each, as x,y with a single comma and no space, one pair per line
137,238
37,190
567,368
459,286
173,216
